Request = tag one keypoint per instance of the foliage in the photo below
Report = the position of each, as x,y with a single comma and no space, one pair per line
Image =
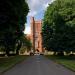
12,19
27,43
58,29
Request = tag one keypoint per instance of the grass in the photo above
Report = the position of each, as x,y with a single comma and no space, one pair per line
7,62
67,61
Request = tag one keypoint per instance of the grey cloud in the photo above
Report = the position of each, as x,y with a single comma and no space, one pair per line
37,5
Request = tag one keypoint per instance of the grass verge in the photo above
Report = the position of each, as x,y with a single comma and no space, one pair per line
67,61
8,62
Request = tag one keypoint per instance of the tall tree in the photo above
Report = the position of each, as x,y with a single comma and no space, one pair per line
12,19
60,19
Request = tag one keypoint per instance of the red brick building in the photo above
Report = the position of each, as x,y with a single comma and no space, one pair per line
36,37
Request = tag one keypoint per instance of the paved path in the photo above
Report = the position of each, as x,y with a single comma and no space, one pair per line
38,65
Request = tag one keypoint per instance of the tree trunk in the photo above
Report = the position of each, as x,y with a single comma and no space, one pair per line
55,53
18,48
7,52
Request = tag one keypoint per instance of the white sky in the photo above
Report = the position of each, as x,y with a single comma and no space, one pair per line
35,7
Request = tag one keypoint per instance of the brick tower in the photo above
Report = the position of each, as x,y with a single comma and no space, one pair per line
36,37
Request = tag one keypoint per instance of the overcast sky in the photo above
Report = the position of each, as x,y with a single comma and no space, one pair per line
37,8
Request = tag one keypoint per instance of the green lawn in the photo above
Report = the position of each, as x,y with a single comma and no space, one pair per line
67,61
7,62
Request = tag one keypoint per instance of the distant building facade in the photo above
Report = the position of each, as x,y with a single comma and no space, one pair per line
36,37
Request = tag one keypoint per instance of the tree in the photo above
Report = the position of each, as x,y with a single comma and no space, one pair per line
24,42
27,43
59,22
12,19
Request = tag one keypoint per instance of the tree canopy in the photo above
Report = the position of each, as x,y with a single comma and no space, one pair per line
58,29
12,21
